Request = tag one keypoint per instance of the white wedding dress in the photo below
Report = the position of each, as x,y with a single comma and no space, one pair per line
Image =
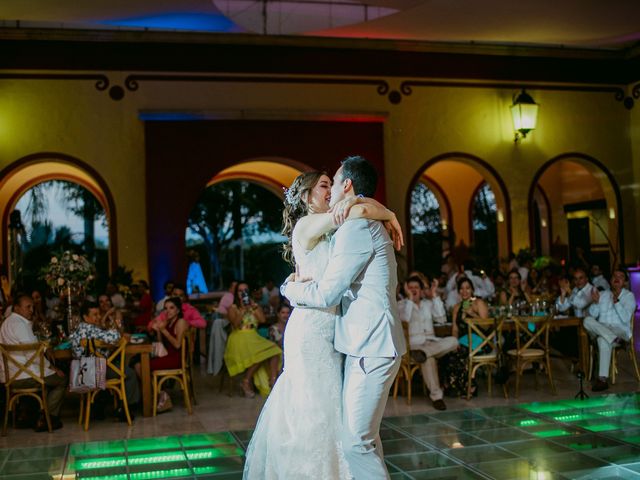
297,434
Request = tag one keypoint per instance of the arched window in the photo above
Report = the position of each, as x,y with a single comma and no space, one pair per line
426,229
233,231
484,222
59,215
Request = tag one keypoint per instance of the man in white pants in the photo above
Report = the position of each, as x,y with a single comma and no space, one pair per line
610,320
361,278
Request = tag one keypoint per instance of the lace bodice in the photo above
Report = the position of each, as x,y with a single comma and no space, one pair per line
311,263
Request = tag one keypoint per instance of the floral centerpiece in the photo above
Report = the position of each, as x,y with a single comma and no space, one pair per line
68,273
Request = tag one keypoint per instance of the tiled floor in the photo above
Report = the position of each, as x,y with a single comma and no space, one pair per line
596,438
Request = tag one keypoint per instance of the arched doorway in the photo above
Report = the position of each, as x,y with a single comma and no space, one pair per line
575,212
234,227
458,178
83,191
430,216
485,216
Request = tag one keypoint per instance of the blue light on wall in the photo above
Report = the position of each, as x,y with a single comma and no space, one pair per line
204,22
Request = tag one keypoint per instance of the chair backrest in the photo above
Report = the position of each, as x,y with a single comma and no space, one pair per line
406,357
116,357
188,347
532,332
487,330
30,354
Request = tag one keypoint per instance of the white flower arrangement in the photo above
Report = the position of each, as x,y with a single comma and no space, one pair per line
68,270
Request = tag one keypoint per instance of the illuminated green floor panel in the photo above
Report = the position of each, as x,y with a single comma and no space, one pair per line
597,438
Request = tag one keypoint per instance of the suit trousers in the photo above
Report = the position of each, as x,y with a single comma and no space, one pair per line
435,349
367,381
605,335
56,390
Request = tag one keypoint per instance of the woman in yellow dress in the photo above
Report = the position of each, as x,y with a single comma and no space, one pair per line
246,350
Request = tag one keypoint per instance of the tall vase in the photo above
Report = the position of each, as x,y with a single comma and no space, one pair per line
70,321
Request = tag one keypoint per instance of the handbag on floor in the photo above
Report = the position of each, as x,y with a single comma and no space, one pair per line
87,373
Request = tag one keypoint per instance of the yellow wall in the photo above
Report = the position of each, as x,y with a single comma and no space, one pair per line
72,117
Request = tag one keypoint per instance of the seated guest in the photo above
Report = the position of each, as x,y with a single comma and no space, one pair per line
577,298
482,284
276,331
228,299
189,312
218,332
91,329
246,350
110,316
513,293
598,280
169,328
168,288
270,294
142,305
419,314
455,371
117,299
41,324
610,321
17,329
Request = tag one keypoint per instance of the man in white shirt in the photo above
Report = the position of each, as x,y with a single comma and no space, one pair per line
598,280
579,298
17,329
420,314
610,321
483,287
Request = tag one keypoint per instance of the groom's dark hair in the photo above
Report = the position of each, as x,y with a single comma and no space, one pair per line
362,174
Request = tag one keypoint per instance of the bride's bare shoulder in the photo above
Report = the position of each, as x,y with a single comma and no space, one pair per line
309,229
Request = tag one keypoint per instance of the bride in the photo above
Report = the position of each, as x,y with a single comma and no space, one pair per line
297,434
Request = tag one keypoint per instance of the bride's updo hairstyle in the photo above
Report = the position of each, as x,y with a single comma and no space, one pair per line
296,206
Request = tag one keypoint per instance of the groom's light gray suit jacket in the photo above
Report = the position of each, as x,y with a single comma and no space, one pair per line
361,278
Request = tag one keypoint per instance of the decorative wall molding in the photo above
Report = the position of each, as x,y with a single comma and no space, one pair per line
406,88
132,83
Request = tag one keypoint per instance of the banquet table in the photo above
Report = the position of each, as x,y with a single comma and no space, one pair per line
558,322
144,350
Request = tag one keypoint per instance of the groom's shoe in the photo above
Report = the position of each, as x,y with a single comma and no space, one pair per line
439,404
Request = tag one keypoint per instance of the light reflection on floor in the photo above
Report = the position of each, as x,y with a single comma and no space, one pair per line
598,438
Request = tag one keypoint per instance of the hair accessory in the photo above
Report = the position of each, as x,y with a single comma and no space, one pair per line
289,195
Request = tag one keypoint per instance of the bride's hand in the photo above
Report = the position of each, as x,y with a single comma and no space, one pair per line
340,210
395,232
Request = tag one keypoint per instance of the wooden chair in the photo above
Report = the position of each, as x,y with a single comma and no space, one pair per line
532,346
180,375
192,342
408,367
489,331
32,354
629,346
116,363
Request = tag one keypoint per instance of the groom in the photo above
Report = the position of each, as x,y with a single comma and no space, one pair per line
361,278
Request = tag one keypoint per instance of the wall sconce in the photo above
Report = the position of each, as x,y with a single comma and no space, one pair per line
612,213
524,113
500,215
444,225
543,223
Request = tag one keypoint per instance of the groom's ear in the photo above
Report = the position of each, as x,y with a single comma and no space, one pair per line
348,184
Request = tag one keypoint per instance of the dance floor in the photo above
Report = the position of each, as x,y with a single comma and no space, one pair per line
597,438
